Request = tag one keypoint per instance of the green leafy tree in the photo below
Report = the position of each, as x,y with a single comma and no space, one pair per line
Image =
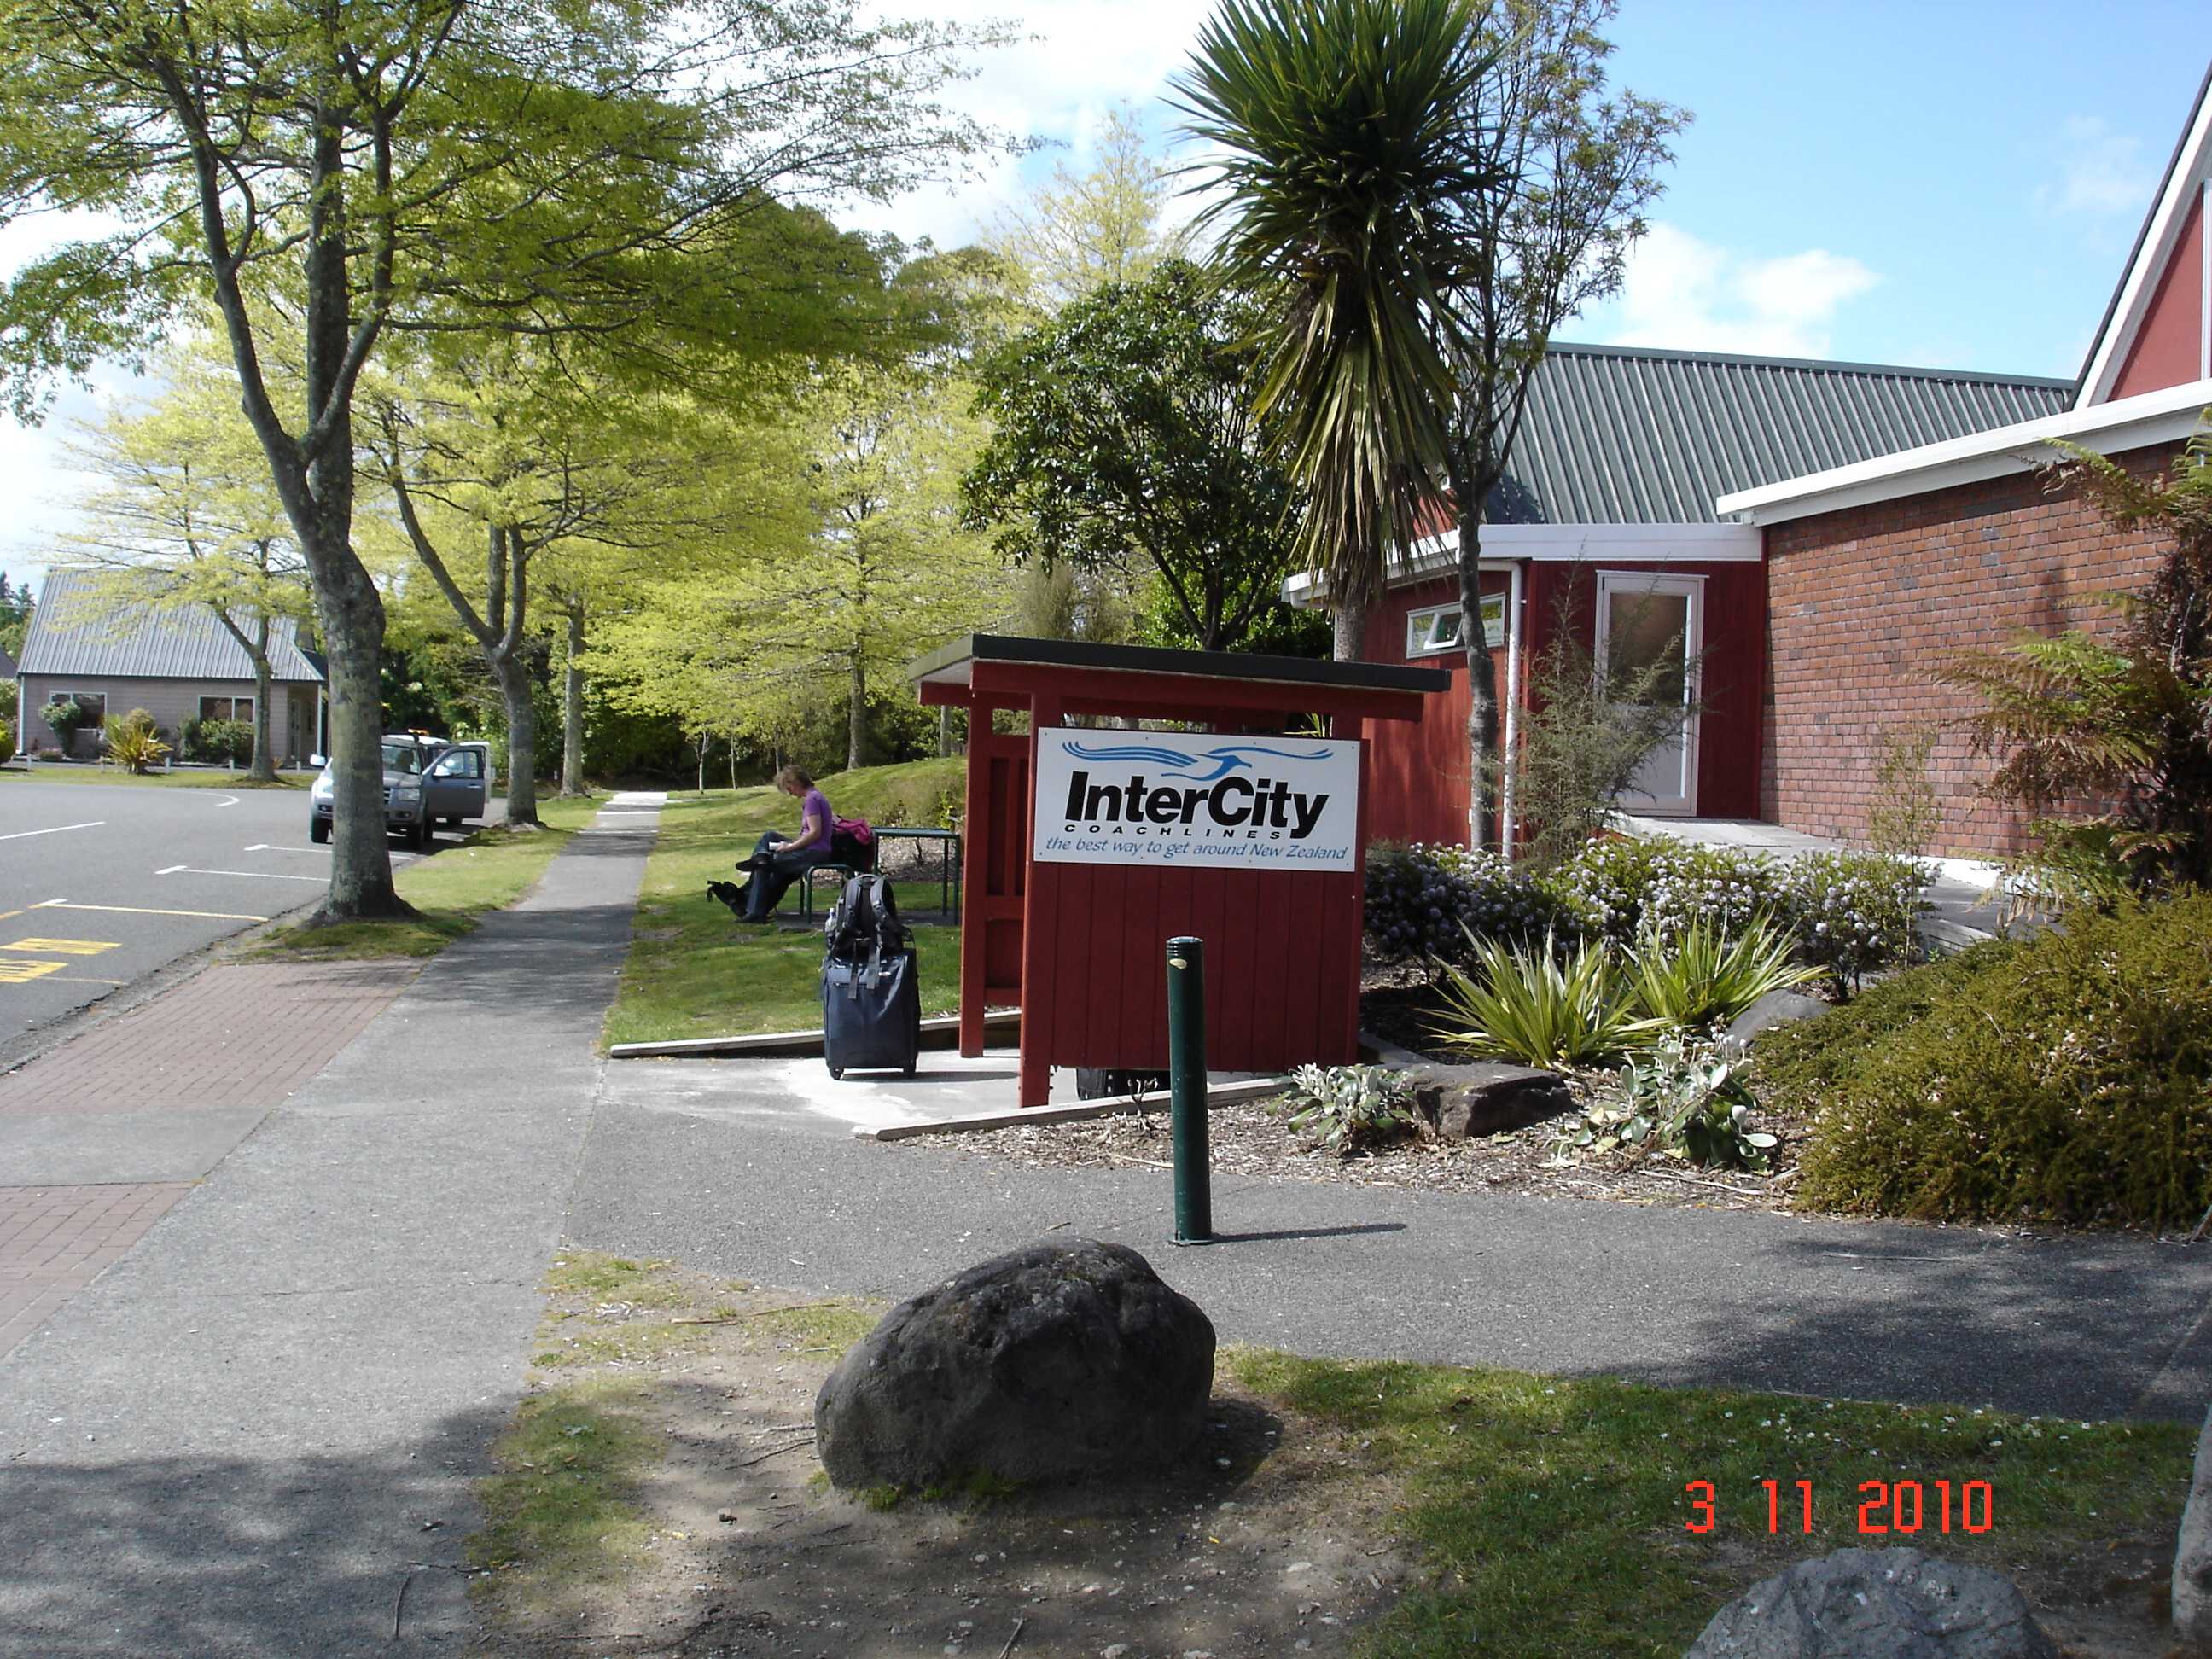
2118,716
16,608
1081,232
496,449
1429,188
603,173
183,515
1124,432
1341,127
1564,172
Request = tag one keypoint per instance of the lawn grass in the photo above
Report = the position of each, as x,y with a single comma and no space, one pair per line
1550,1513
489,871
693,970
84,772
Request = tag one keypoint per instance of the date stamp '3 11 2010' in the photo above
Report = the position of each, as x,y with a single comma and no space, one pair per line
1885,1506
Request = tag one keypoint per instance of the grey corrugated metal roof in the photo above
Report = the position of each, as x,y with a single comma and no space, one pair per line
80,628
1620,434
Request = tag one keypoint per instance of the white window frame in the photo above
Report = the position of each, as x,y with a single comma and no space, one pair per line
1422,625
245,719
54,697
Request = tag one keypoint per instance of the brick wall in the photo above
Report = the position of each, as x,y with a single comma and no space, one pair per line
1864,603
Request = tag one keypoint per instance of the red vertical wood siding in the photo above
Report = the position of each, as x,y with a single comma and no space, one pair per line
1281,987
2169,347
1420,771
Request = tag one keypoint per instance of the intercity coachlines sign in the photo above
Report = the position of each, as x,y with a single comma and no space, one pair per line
1164,798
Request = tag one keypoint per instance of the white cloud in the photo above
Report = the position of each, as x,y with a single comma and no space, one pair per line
1076,59
1688,294
2100,172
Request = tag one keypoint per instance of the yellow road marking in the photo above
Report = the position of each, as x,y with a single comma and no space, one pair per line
67,947
5,915
22,973
134,911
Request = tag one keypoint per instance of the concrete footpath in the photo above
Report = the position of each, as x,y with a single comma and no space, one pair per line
255,1432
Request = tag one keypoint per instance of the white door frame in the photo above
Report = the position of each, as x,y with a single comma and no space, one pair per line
1637,583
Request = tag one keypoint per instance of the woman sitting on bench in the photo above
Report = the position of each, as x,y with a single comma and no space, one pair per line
779,861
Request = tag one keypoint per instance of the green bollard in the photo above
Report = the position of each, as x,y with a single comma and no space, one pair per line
1194,1193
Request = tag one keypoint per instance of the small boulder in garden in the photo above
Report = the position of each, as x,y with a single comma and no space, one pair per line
1053,1361
1901,1604
1488,1097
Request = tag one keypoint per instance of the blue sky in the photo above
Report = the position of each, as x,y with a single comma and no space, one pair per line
1949,184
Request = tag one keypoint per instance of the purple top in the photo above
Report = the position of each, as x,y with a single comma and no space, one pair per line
814,805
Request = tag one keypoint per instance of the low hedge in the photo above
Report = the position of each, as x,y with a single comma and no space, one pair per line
2066,1078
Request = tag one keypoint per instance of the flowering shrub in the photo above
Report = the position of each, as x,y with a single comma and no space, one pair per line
1423,902
1635,889
1849,913
1845,914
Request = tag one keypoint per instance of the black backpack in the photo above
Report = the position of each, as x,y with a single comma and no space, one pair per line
864,924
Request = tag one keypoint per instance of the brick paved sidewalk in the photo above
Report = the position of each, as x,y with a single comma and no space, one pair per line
234,1039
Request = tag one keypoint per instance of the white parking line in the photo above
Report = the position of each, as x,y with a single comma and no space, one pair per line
255,875
58,829
138,910
271,847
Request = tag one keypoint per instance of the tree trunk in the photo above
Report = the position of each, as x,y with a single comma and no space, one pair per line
944,728
1481,679
264,769
512,669
572,710
856,722
1347,615
352,618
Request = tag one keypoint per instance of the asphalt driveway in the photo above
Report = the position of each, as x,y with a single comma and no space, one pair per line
102,885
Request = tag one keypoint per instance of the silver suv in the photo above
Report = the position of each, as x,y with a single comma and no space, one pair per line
427,780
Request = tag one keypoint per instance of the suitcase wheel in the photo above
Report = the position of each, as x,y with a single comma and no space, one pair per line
909,1070
837,1074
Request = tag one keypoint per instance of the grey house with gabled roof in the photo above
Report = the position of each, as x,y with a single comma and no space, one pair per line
177,663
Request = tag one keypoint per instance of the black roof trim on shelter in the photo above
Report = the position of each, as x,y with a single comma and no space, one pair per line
952,663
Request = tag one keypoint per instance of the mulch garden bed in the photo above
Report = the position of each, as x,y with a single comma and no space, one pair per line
1254,1138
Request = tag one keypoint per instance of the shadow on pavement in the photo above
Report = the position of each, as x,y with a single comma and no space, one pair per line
257,1553
2056,1326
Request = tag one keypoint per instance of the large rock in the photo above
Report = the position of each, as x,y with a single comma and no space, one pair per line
1900,1604
1463,1103
2192,1554
1051,1362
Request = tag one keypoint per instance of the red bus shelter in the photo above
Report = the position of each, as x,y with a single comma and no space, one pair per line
1230,829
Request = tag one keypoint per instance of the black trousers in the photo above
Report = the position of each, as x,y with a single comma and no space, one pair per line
770,880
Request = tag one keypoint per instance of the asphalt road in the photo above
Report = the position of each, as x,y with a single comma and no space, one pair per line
102,884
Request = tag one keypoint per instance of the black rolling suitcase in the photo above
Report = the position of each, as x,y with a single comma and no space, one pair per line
871,984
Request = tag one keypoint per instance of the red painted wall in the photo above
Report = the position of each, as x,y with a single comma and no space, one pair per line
1863,604
1420,772
2170,346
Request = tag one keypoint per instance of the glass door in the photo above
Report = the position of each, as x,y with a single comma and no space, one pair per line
1650,632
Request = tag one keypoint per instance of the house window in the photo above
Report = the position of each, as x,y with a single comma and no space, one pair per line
95,704
1433,631
227,708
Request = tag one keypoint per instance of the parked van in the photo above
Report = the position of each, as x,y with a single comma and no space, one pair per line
427,781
